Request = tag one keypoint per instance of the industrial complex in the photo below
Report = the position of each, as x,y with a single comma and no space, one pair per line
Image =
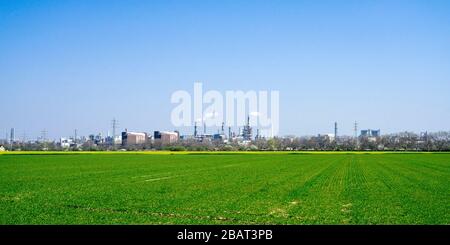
246,137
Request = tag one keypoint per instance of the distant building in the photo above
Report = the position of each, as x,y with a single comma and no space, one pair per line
157,135
2,148
91,137
331,137
65,142
117,140
187,137
166,137
324,138
376,133
219,137
169,137
133,138
99,139
370,133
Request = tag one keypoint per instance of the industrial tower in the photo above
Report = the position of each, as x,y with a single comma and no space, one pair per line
195,129
115,123
12,137
247,131
335,131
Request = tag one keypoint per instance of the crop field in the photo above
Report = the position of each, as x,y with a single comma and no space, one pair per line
225,188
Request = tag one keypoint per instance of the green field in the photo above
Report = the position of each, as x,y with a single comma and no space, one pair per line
225,189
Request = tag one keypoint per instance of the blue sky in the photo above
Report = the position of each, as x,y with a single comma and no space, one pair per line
78,64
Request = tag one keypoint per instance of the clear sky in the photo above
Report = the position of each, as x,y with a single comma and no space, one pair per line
78,64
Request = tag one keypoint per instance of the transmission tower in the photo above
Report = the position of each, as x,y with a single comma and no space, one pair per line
44,135
24,137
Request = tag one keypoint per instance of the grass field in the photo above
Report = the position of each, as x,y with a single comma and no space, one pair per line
225,189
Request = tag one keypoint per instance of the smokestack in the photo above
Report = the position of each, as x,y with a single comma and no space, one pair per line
195,129
12,137
335,131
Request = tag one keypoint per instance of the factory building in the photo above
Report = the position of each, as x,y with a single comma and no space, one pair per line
219,137
166,137
65,142
133,138
370,133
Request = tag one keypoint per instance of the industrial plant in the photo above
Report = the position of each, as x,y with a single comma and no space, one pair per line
225,138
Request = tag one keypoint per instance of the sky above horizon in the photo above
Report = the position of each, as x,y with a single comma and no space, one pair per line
78,64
